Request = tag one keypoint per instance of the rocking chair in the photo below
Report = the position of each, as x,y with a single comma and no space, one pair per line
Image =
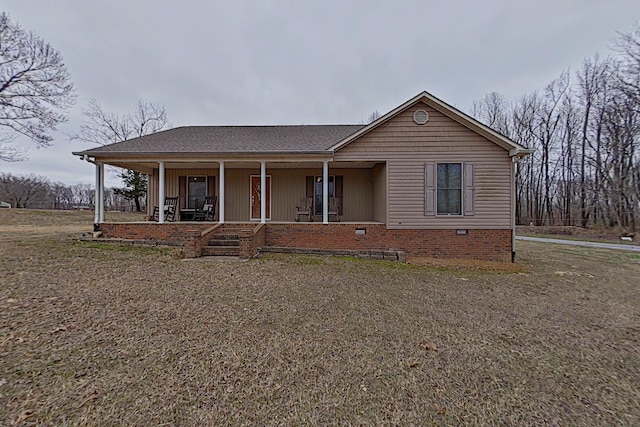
305,208
335,206
170,209
208,210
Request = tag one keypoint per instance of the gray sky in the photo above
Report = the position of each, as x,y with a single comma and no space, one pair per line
305,61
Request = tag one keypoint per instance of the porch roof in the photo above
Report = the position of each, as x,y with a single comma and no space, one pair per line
231,139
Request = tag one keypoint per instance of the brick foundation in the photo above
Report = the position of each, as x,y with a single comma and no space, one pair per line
171,232
493,245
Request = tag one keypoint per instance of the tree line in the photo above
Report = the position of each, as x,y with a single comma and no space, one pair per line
585,127
37,192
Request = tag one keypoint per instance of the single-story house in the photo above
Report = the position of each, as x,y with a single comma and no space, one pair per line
425,179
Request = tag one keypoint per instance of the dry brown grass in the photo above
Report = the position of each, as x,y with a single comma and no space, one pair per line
94,334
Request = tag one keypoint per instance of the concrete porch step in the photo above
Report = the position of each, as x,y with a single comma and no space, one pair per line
225,236
221,251
224,241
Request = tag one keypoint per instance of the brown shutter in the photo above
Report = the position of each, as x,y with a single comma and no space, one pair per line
310,186
338,193
429,189
468,188
211,186
182,191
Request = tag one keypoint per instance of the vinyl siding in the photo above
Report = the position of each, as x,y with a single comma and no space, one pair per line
171,183
287,187
379,192
406,147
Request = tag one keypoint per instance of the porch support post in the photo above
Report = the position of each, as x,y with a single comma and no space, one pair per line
96,202
161,192
101,188
263,192
325,192
221,200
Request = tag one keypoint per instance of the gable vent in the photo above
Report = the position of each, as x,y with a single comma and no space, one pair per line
420,117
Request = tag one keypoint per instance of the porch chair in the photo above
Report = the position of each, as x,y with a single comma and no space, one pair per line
305,208
335,206
208,210
170,210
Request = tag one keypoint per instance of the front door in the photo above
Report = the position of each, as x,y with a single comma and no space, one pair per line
255,197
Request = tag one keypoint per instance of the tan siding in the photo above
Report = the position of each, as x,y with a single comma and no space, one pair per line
238,193
379,192
171,183
407,146
287,187
357,194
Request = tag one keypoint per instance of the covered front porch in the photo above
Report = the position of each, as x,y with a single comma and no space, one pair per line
262,191
257,204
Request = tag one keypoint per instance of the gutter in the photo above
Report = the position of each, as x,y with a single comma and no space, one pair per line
155,155
521,152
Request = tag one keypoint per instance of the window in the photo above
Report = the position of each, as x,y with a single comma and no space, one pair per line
318,186
449,187
197,191
314,190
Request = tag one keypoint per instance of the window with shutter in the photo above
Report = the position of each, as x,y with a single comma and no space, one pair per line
314,189
449,189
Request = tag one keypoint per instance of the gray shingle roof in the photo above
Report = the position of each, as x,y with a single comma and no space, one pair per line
233,139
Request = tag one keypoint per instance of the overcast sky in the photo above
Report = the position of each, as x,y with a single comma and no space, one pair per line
303,62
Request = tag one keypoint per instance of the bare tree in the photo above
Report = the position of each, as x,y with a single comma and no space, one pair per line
35,88
103,128
372,117
628,44
21,191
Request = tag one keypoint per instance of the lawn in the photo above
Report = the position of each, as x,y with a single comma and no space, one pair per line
97,334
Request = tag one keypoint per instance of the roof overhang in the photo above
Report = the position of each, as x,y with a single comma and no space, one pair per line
146,162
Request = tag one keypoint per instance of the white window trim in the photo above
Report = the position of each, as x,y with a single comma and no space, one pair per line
448,215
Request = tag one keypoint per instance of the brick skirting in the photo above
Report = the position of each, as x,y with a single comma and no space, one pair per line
493,245
174,232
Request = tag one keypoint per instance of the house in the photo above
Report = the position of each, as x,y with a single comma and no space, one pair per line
424,179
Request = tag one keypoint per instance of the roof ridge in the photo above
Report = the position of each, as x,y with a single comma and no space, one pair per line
263,126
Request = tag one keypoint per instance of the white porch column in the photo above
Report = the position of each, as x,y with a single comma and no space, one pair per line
101,188
221,200
325,192
263,192
96,201
161,192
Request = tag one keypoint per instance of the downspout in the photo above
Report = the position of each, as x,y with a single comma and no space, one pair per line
514,164
516,155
